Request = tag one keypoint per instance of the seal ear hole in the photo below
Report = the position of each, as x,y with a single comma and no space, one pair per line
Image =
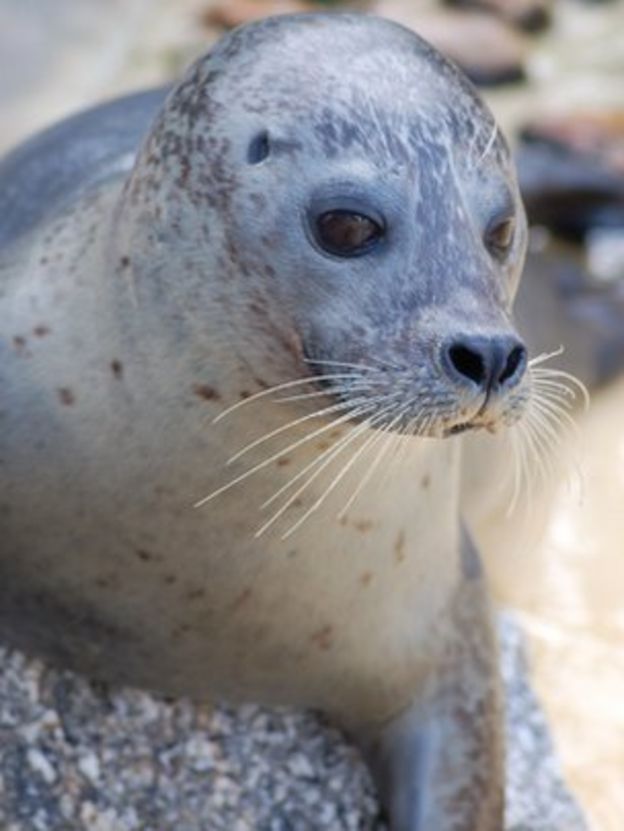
259,148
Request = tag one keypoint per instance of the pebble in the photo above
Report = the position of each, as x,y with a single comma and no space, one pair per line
78,757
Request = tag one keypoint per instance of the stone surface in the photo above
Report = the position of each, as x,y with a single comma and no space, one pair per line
78,757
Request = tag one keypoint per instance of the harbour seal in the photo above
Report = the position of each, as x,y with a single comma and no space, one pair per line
291,228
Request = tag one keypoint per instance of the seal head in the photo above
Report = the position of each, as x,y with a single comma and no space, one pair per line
382,231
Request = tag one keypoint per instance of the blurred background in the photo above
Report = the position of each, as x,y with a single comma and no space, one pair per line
553,73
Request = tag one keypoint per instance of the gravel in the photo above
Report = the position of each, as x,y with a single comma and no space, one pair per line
75,755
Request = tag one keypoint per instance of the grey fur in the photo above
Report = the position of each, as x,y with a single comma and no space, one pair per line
141,304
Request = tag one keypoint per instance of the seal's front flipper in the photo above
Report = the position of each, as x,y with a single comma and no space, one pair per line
439,764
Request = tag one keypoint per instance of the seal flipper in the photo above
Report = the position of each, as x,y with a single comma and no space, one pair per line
439,763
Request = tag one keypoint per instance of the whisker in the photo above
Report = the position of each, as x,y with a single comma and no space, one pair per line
546,356
396,445
384,433
332,425
311,465
337,479
537,443
318,362
489,145
271,390
358,386
515,436
555,413
555,390
341,405
548,374
356,431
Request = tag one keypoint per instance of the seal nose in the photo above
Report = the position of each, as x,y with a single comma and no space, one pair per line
492,364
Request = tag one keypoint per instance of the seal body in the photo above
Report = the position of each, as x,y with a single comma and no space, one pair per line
233,369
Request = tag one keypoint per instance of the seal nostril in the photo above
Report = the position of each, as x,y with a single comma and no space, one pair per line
467,363
258,148
514,360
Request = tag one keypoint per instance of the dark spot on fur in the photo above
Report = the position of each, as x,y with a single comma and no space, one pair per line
399,547
124,262
169,579
66,396
323,637
244,394
145,556
181,630
363,525
19,342
258,201
206,392
196,594
365,578
116,368
41,330
241,600
283,461
425,481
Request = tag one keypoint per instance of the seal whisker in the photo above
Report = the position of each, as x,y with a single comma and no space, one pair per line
356,431
384,433
524,442
341,405
537,443
556,391
309,466
549,374
340,476
396,443
358,386
516,434
554,413
489,145
310,379
319,362
552,420
332,424
545,356
366,367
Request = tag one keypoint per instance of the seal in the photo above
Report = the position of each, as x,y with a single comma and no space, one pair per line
235,365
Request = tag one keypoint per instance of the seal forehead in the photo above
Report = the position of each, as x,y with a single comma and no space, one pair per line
357,78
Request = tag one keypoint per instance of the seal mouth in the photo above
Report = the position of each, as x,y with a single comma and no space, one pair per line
457,429
383,397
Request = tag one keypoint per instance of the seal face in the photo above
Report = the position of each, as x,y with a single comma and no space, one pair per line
373,198
322,209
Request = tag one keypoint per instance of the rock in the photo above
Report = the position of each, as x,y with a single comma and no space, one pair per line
530,15
230,13
571,172
562,302
487,49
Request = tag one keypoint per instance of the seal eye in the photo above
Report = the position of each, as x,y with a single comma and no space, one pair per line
347,234
499,236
